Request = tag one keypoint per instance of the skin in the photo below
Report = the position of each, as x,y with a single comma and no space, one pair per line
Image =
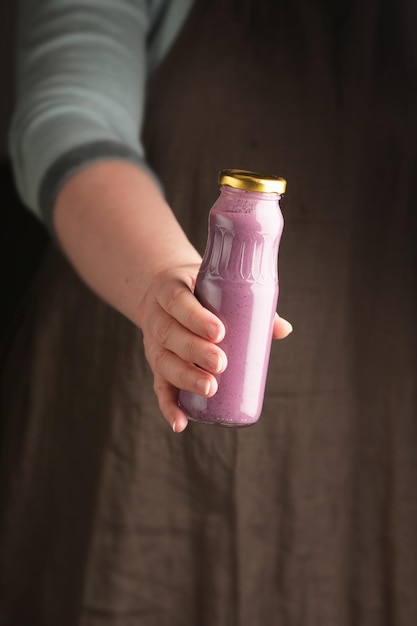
108,218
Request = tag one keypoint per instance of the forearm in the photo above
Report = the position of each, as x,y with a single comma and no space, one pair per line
118,232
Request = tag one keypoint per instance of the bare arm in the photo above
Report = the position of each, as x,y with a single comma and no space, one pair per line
124,241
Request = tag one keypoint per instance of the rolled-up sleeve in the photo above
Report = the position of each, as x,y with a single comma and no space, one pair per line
81,73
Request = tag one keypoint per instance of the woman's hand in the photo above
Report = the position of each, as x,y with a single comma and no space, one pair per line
180,338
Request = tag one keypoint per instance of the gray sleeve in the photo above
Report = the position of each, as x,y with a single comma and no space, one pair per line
81,76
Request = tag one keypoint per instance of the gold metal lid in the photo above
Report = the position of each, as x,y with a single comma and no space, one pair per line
251,181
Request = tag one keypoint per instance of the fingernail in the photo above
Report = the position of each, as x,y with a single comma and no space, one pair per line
174,427
288,326
213,331
214,362
203,385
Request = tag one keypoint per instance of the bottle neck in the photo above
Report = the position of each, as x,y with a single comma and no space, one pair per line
243,201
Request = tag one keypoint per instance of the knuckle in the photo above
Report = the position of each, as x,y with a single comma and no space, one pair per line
191,318
158,387
174,298
164,330
184,376
191,347
159,361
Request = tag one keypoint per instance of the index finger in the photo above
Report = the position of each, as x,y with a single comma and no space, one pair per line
177,299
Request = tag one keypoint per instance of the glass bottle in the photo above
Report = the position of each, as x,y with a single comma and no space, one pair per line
238,281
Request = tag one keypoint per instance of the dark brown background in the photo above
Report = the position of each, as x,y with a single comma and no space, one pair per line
21,237
7,21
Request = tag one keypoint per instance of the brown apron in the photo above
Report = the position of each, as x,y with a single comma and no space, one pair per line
310,517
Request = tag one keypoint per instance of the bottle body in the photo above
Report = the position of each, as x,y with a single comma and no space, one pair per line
238,281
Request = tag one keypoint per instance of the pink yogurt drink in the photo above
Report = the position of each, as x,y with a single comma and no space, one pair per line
238,281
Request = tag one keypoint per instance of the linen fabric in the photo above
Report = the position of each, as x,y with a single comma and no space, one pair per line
308,518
